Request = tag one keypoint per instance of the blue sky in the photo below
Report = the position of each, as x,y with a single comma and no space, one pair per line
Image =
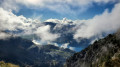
46,13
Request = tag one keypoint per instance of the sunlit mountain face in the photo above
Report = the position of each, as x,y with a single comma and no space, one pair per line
66,24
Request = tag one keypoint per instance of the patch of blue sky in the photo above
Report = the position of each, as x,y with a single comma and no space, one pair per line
94,10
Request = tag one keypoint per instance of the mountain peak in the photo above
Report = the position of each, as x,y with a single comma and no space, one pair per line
63,21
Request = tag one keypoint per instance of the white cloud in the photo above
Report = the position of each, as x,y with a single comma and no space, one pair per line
9,5
35,42
64,45
11,22
4,35
71,48
104,23
60,6
63,21
44,33
53,20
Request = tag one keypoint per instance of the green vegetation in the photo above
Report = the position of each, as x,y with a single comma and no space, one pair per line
3,64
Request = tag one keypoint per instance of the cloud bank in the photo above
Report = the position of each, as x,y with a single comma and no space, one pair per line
23,26
104,23
4,35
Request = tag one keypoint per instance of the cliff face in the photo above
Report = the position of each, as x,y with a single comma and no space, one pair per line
102,53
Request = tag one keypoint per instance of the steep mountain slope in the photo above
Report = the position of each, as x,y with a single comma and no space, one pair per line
25,53
103,53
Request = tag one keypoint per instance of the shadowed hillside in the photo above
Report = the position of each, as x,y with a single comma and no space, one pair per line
102,53
25,53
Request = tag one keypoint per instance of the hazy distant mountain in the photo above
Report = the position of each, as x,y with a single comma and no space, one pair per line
66,31
103,53
24,52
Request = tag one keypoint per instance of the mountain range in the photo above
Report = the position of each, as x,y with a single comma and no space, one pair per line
66,32
25,53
